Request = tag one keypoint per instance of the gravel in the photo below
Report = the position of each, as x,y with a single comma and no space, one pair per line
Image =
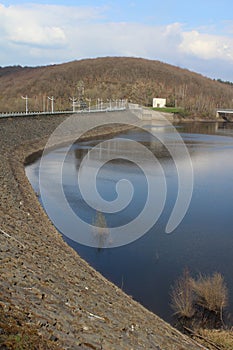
45,280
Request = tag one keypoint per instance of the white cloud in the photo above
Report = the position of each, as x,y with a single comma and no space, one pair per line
41,25
207,46
42,34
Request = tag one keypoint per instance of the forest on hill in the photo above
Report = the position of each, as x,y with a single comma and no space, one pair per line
136,79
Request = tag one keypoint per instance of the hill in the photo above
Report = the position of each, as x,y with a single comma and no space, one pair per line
137,79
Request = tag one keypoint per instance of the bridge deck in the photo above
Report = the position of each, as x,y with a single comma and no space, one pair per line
226,111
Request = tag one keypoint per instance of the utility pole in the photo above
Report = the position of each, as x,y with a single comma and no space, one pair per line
73,99
26,101
52,103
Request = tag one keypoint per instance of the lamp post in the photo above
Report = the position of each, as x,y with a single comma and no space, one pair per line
26,102
73,99
52,103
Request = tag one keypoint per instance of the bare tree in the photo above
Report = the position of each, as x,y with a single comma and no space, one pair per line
182,296
211,292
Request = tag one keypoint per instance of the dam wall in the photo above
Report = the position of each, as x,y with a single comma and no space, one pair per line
44,280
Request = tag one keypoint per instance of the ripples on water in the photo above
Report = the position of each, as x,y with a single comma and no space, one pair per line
203,242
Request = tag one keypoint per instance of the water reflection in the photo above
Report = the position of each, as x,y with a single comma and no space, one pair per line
204,240
205,128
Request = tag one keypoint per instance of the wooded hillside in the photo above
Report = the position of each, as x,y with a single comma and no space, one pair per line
135,79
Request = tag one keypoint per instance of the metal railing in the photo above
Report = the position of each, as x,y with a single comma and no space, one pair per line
101,106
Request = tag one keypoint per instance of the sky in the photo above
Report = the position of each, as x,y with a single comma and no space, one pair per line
196,35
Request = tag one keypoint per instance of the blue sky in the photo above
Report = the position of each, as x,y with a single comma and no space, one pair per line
194,35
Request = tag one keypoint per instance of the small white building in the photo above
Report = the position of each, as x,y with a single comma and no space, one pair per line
159,102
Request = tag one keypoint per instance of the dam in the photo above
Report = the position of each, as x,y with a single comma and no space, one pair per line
44,280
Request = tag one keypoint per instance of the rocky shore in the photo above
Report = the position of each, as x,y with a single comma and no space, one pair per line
44,283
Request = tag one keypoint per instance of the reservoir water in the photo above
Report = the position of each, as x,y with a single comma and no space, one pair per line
203,242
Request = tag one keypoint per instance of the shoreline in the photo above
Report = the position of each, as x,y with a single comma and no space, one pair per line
106,131
55,290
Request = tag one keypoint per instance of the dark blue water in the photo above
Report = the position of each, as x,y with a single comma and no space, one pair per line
203,242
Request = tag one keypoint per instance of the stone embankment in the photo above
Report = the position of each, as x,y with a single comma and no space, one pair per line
45,281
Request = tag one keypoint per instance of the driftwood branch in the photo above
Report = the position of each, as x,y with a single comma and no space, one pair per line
96,316
201,337
9,236
221,317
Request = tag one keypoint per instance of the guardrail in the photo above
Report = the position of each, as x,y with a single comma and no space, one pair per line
30,114
87,110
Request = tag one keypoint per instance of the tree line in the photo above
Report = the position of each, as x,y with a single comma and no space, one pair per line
138,80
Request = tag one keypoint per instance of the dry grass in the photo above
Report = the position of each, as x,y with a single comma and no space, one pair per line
191,298
211,292
222,339
199,303
182,296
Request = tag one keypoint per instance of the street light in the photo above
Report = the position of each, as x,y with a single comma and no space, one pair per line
26,101
73,99
52,103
